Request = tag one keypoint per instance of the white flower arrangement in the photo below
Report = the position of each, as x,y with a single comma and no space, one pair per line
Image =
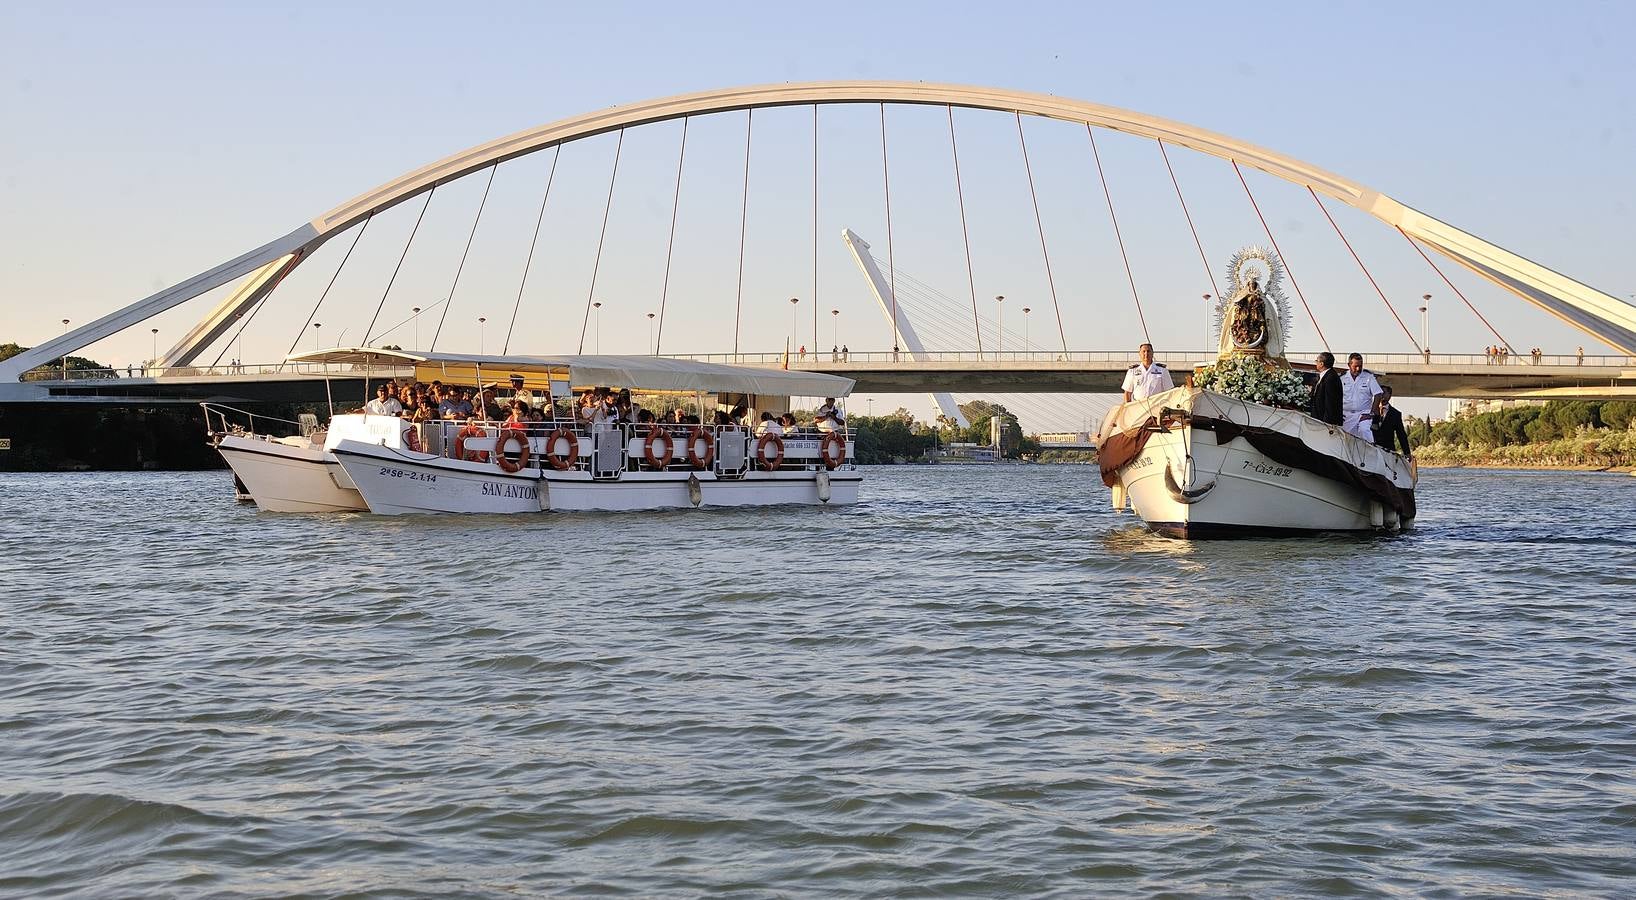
1251,378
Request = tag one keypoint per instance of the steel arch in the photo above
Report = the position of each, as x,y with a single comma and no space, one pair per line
1592,311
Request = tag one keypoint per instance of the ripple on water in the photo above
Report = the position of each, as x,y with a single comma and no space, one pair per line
978,681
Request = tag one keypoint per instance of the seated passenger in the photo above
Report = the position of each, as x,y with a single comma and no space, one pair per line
769,425
643,417
790,426
519,415
384,403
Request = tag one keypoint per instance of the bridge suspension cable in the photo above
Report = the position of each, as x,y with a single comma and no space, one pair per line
1209,276
399,267
815,306
607,207
528,264
891,263
1457,292
1140,317
448,299
1365,269
1287,269
965,235
670,242
334,275
743,222
1040,226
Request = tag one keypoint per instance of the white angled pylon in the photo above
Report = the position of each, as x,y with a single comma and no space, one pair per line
902,331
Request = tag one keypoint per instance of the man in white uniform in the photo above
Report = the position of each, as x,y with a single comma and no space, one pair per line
1147,377
1358,391
384,403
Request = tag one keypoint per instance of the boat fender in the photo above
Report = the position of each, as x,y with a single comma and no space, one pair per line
506,463
1377,514
545,495
1119,497
1184,497
823,487
695,493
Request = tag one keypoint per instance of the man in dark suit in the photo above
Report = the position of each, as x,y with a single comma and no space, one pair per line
1325,405
1387,423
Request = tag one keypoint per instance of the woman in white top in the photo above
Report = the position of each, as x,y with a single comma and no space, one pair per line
769,425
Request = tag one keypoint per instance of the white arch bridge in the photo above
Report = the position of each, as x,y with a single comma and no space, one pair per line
259,271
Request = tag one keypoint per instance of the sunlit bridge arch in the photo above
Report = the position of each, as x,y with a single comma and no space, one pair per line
1592,311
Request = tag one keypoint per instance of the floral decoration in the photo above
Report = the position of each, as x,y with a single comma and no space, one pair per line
1251,378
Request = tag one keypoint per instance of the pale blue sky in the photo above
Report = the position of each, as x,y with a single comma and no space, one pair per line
142,145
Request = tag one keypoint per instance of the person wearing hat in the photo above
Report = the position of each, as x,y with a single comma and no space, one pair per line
384,403
518,392
492,411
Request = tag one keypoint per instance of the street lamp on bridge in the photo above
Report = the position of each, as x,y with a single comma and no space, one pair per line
315,327
416,311
999,306
652,349
1425,321
482,331
835,333
1026,311
154,359
65,352
1209,322
794,302
597,347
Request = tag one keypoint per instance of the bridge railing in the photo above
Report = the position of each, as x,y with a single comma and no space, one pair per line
1121,358
46,373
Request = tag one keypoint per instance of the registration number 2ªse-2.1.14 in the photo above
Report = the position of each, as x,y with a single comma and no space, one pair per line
390,472
1264,469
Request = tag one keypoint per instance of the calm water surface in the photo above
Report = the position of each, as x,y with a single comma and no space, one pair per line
980,681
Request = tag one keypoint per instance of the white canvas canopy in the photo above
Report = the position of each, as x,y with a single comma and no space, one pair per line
652,373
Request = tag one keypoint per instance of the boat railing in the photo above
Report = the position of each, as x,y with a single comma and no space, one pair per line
221,419
606,452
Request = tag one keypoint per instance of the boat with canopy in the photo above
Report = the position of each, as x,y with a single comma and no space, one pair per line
693,447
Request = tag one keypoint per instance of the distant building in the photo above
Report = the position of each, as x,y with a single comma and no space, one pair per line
1459,409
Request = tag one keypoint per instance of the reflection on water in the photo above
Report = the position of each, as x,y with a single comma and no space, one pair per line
978,681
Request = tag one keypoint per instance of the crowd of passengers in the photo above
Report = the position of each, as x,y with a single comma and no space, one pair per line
596,408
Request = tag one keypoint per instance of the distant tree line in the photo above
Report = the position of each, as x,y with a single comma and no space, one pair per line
900,437
1558,433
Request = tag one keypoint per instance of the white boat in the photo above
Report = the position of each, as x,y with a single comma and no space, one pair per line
296,473
1195,463
564,464
1203,462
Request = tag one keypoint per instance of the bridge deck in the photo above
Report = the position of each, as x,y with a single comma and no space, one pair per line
1411,375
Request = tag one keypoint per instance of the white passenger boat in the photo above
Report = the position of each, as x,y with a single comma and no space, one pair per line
296,473
565,463
1230,458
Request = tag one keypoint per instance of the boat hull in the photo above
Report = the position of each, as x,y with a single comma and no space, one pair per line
1184,483
396,482
288,479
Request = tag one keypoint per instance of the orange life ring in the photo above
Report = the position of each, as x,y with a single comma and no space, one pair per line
460,451
505,462
836,441
773,463
658,460
561,461
701,460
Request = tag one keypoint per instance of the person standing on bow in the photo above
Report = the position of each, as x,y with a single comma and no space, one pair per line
1358,392
1387,424
1147,377
1325,405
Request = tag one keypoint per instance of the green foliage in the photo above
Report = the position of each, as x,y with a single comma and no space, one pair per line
1618,414
1560,433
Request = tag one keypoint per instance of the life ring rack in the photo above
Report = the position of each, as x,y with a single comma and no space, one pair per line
657,435
561,461
506,463
833,440
460,452
698,459
776,461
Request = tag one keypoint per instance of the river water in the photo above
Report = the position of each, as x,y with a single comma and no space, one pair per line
979,681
